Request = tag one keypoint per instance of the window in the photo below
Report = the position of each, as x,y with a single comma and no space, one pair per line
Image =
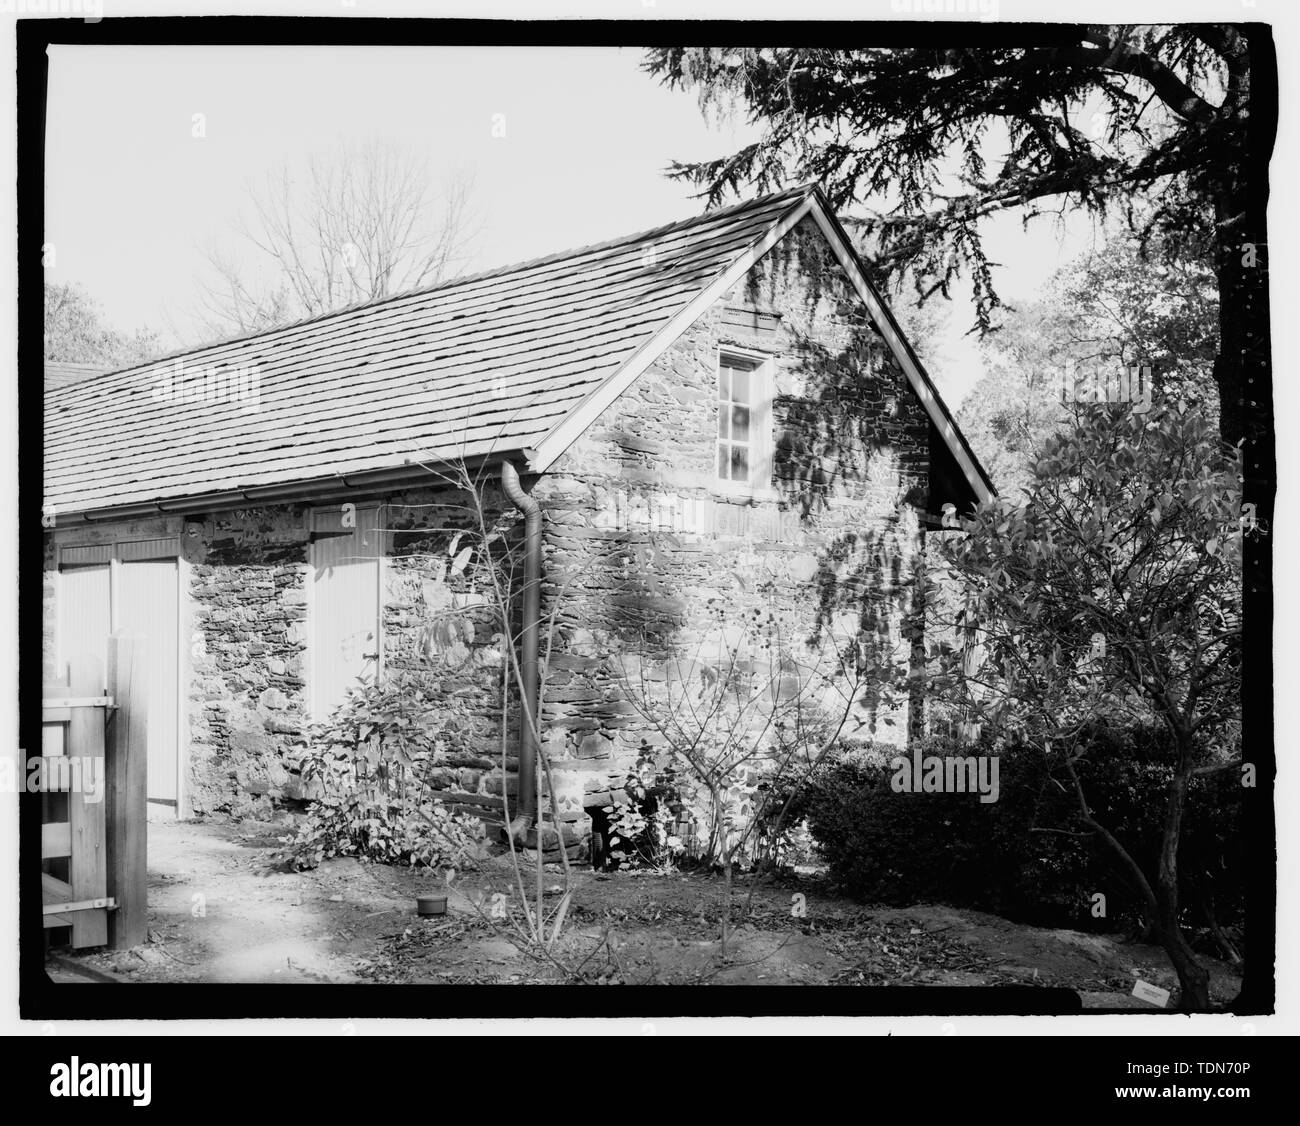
737,400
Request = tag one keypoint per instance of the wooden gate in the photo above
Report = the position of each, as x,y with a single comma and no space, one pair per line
92,777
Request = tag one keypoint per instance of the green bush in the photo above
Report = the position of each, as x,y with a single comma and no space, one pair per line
906,848
370,763
899,849
641,832
354,820
669,819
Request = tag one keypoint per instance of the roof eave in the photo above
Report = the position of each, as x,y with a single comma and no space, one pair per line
335,486
981,484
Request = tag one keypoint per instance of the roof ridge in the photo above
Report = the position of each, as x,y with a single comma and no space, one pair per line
797,191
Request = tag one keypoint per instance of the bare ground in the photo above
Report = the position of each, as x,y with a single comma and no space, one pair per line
222,910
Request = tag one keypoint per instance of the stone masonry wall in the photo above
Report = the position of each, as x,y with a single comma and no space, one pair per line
659,563
244,596
645,558
441,632
245,586
248,650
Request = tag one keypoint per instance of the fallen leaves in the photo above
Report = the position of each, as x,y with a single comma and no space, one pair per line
888,954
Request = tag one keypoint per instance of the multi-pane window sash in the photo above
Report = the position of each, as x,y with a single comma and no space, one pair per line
736,380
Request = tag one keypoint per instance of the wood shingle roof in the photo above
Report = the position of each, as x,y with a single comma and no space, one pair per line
61,373
487,364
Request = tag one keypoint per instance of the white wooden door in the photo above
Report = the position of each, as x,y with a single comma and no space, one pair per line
136,586
147,592
344,611
83,624
85,617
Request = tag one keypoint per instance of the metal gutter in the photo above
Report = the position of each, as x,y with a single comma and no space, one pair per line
320,488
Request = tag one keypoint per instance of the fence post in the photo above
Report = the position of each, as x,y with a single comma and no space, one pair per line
126,769
87,864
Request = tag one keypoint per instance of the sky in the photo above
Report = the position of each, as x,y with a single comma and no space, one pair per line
132,196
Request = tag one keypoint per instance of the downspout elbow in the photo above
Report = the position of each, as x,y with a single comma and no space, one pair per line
521,500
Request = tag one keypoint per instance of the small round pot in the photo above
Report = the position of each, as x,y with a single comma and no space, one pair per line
430,904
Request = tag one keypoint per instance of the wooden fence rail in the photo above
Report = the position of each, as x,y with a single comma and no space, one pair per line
94,831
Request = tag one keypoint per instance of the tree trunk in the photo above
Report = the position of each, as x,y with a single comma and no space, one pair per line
1161,900
1205,901
1243,364
916,694
1193,978
1239,270
726,911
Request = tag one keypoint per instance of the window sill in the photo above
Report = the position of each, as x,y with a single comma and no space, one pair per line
737,492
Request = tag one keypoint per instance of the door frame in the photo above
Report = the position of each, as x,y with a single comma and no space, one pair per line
68,545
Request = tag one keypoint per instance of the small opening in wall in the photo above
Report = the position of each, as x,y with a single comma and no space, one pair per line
600,860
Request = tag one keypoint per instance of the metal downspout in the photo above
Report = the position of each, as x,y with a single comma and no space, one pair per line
528,644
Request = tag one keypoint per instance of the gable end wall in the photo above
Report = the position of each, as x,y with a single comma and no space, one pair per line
655,562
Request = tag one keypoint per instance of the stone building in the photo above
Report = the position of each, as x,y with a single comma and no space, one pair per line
721,432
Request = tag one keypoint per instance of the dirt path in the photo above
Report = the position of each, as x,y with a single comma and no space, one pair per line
222,910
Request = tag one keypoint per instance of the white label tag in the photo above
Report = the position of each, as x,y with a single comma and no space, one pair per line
1152,993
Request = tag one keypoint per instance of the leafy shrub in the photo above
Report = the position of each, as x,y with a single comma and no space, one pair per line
643,832
906,848
370,761
358,821
898,849
783,837
670,819
784,847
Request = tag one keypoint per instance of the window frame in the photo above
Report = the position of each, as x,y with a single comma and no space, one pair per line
761,443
